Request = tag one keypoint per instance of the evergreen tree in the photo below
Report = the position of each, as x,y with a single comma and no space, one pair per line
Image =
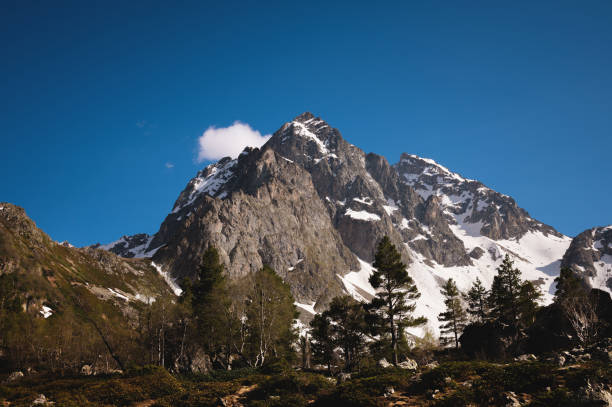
476,299
211,304
322,342
348,327
568,286
393,303
454,318
512,301
529,296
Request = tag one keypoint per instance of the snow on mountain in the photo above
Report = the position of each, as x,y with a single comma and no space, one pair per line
208,181
314,206
590,255
135,246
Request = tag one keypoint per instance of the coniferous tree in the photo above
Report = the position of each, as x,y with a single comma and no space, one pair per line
348,327
211,303
512,301
529,296
322,342
393,304
476,298
454,318
568,286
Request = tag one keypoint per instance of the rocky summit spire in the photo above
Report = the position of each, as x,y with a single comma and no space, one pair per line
304,117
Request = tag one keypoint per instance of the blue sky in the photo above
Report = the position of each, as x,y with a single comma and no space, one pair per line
97,97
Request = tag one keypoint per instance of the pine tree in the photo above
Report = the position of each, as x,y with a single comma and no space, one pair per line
393,302
568,286
512,301
454,318
211,303
348,327
322,342
476,299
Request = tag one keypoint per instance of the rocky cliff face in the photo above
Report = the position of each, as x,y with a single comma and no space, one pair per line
590,255
314,206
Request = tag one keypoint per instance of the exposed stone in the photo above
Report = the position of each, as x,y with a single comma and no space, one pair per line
511,400
527,357
408,364
597,393
200,362
41,400
384,364
15,376
343,377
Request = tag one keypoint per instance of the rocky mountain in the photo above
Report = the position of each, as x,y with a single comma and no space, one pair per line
128,246
590,254
313,206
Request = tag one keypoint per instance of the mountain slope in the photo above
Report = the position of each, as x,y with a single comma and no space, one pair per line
90,298
314,206
590,254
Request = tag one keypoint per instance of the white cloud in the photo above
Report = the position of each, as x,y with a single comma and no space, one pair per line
169,165
221,142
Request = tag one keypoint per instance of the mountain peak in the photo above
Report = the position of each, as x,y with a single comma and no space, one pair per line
304,117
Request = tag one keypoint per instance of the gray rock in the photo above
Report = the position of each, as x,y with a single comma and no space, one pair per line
408,364
15,376
528,357
343,377
432,365
41,400
596,392
511,400
200,362
586,255
384,364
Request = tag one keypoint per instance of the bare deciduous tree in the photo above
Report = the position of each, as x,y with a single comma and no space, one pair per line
581,311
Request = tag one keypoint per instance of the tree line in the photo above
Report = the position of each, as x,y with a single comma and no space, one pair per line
218,323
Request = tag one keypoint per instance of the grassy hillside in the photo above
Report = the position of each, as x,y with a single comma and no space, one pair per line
63,306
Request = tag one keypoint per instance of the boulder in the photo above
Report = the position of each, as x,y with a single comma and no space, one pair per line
511,400
408,364
200,362
343,377
15,376
384,364
432,365
596,394
41,400
527,357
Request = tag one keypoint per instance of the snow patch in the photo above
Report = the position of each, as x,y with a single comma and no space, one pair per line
362,215
357,283
302,130
118,294
169,280
390,207
46,312
307,307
